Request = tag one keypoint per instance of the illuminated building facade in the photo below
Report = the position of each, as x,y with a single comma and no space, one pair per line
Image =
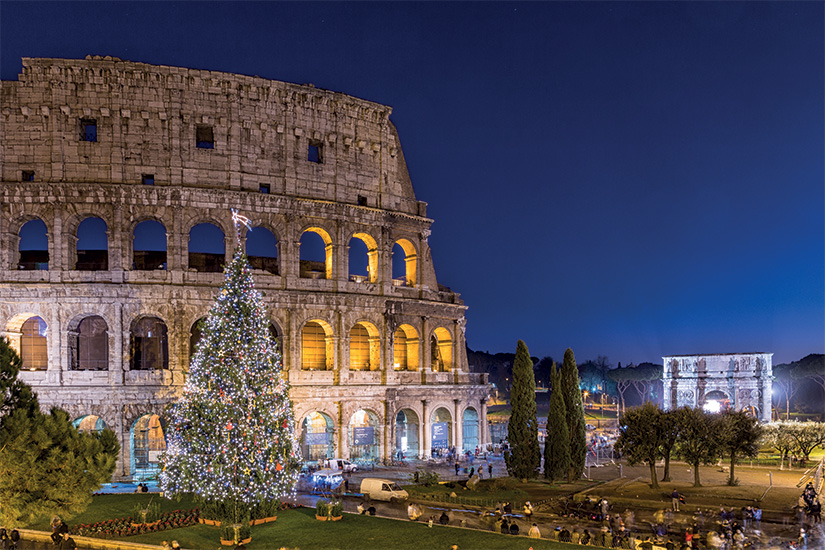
117,184
741,381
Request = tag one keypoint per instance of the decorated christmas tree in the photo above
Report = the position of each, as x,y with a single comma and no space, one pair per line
231,435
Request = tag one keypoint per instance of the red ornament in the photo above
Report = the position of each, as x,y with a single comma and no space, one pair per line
278,467
228,426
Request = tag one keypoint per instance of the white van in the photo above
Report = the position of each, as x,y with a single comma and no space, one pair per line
383,489
341,464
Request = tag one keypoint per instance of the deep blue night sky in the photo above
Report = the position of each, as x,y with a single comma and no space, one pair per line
626,179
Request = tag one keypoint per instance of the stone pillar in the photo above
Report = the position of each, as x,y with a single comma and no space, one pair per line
425,351
117,368
427,436
458,436
343,433
114,234
57,248
483,427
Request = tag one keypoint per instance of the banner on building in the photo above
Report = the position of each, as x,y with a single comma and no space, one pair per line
363,435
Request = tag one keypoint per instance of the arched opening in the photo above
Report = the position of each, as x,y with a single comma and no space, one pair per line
404,263
262,249
469,429
317,436
441,350
363,436
406,433
716,401
364,350
207,248
34,349
148,345
315,254
195,334
89,424
92,245
405,348
149,246
316,346
363,258
441,424
148,441
34,246
89,344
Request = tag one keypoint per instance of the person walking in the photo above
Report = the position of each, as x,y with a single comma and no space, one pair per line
674,500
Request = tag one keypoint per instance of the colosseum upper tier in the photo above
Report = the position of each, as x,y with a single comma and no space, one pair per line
118,180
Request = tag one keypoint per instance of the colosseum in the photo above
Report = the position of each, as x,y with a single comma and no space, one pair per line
118,180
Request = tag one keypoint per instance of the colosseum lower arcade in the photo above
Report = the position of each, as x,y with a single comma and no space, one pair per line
117,184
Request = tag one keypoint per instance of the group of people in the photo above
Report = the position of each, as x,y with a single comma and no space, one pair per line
60,535
809,505
9,539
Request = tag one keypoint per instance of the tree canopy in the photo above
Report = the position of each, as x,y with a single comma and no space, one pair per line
557,441
575,415
640,437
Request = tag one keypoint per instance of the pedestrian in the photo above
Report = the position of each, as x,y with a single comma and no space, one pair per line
472,471
58,529
67,542
175,545
489,470
514,528
164,545
585,538
534,532
371,510
507,508
361,509
457,468
430,522
674,500
14,538
505,527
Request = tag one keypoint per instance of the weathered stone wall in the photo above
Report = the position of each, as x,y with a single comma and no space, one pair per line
146,117
744,378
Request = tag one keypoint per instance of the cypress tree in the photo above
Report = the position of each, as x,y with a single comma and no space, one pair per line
557,442
523,458
575,415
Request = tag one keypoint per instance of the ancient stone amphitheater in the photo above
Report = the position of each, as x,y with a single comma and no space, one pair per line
118,180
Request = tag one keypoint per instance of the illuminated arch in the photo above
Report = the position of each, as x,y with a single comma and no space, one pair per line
409,275
405,348
317,346
90,423
441,350
34,349
406,433
317,436
147,438
441,428
469,429
364,436
310,264
364,347
363,265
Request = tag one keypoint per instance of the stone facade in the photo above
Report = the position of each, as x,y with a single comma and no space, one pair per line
741,379
182,147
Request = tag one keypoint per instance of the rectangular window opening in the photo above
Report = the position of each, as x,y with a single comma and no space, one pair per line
264,188
204,137
362,200
314,152
88,129
27,175
148,179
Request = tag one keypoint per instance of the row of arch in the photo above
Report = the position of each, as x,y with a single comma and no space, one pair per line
316,436
206,250
88,345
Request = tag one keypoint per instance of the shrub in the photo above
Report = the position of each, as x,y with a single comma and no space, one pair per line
501,484
321,507
337,509
424,477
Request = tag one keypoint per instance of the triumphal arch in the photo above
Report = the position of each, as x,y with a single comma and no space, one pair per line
118,180
741,381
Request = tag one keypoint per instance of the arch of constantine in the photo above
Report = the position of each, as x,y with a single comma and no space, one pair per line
741,381
117,184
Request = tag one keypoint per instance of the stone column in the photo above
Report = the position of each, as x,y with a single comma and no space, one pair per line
427,436
483,427
458,436
56,246
343,433
120,346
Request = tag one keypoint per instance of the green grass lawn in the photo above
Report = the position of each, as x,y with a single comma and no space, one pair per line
298,528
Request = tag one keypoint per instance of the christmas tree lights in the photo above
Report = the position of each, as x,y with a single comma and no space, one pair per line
231,437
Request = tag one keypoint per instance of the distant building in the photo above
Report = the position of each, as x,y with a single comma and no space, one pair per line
741,381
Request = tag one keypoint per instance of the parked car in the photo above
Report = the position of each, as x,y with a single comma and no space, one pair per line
341,464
